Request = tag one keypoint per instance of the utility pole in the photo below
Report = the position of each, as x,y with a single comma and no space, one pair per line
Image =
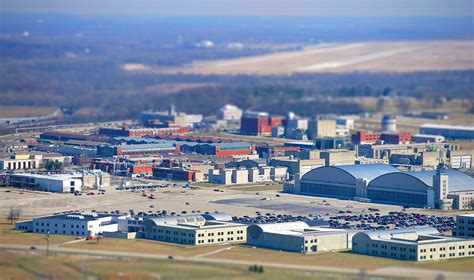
47,242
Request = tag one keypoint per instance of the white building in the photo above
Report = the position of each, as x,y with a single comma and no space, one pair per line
48,183
448,131
426,138
229,112
77,224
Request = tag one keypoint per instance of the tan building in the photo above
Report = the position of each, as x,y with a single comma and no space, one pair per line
296,165
302,237
424,154
321,128
464,226
338,157
414,244
462,200
195,229
21,162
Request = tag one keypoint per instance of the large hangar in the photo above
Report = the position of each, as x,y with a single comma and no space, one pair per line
340,181
415,188
386,184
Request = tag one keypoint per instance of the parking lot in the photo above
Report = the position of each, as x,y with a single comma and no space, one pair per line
186,200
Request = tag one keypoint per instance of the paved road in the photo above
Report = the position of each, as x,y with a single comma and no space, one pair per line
388,271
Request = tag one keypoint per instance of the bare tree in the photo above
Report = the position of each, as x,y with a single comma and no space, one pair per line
14,214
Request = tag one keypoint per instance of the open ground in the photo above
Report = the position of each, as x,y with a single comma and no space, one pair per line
235,200
392,56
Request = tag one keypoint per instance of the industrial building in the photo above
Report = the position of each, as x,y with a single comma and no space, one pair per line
220,149
76,224
448,131
321,128
414,244
339,181
137,150
126,131
427,138
362,137
386,184
228,176
66,136
20,162
419,188
258,123
170,118
427,155
464,226
178,174
49,183
301,237
202,229
229,112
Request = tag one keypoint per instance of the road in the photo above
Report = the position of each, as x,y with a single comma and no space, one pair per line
387,272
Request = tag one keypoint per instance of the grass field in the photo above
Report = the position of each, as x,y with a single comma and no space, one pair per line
339,259
146,246
10,236
25,111
393,56
21,265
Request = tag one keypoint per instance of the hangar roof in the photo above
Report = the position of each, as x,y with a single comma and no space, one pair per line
457,181
368,171
420,180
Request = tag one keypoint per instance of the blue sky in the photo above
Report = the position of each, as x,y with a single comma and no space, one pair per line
387,8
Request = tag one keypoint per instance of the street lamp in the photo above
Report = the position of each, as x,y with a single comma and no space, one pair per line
47,242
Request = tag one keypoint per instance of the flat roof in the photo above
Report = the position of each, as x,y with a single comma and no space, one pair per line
50,176
446,126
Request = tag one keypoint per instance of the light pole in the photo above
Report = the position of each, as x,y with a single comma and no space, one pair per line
47,242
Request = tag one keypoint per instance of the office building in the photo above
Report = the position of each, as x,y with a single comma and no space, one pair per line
258,123
48,183
321,128
202,229
20,162
76,224
464,226
413,244
302,237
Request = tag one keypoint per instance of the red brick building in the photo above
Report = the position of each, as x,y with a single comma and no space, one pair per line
390,138
258,123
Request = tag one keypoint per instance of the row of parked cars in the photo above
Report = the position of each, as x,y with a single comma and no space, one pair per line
269,218
393,219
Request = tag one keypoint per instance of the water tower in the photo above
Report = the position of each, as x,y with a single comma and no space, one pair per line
389,123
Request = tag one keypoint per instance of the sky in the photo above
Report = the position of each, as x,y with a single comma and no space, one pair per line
384,8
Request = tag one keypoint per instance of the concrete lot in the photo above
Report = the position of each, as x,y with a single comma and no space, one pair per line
176,199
